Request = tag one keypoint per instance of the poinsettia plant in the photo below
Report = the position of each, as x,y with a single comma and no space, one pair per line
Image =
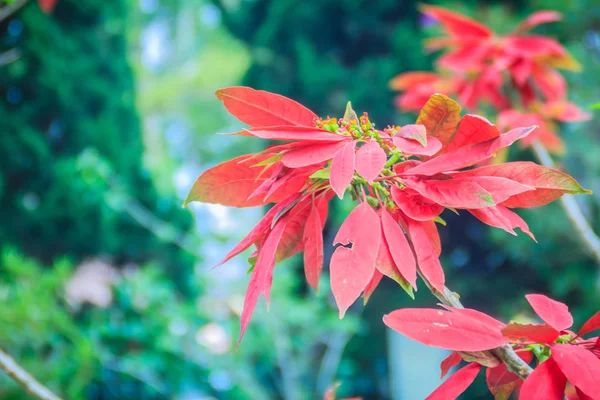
401,178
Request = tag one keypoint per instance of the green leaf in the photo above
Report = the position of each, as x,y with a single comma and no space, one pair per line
268,161
321,174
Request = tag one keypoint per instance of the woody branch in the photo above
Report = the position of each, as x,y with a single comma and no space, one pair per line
23,378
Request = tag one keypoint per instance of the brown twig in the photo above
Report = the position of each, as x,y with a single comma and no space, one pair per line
23,378
572,209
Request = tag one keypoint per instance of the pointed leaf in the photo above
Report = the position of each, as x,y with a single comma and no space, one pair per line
372,285
342,169
413,147
539,18
451,361
440,115
546,382
261,108
500,188
444,329
456,24
452,193
590,325
530,333
554,313
311,154
414,205
414,132
501,217
231,182
580,366
399,248
302,133
456,384
370,160
469,155
313,248
351,268
427,255
473,129
350,114
550,184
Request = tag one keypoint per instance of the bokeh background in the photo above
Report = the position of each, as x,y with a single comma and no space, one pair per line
107,115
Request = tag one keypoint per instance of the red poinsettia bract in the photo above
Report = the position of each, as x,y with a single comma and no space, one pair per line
562,356
401,177
480,65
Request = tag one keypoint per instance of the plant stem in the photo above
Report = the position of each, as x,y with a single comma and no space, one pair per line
572,209
23,378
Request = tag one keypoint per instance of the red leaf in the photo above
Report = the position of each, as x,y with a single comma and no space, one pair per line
370,160
451,361
47,6
385,263
456,384
539,18
580,366
440,115
590,325
550,82
351,269
427,255
582,396
414,132
469,155
473,129
452,192
399,248
501,189
530,333
260,281
407,80
372,285
260,108
310,154
231,182
313,248
549,183
303,133
410,146
501,381
501,217
445,329
342,169
554,313
546,382
414,205
456,24
478,316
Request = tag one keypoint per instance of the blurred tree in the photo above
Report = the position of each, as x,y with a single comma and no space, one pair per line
72,140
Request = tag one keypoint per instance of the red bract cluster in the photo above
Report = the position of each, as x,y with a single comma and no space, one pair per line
401,177
479,66
562,355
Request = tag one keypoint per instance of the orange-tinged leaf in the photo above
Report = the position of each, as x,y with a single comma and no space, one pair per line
444,329
313,248
427,254
452,193
440,115
310,154
554,313
414,132
231,182
414,205
546,382
469,155
580,366
590,325
399,248
370,160
473,129
302,133
342,169
455,24
294,229
351,268
451,361
409,79
530,333
261,108
456,384
501,381
550,184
